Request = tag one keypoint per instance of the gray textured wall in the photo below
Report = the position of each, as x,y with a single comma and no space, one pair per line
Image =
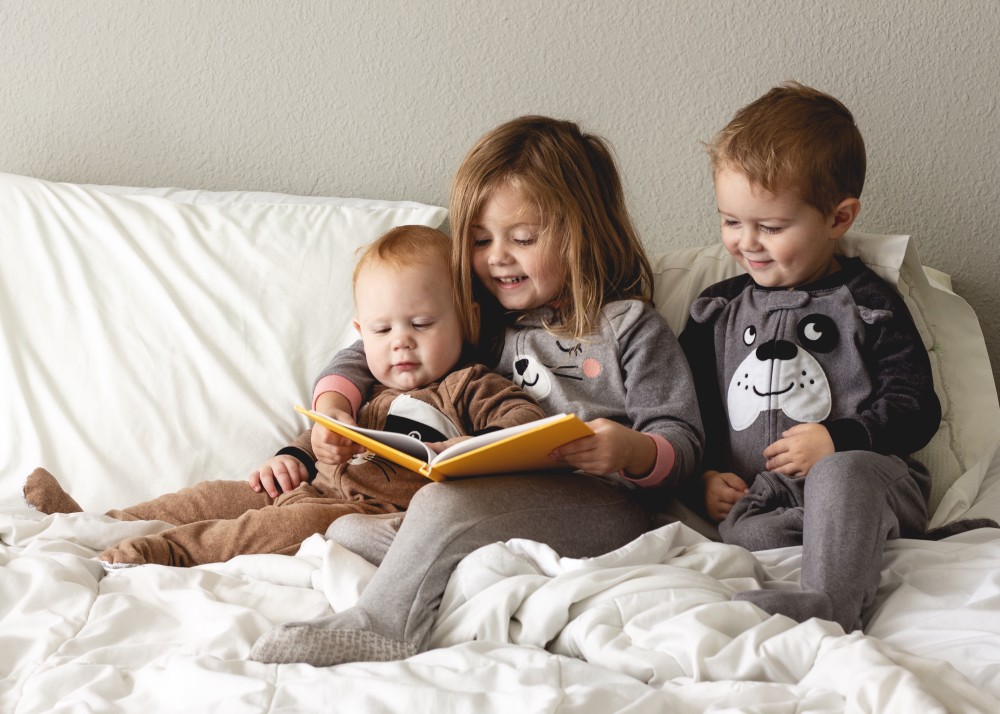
382,99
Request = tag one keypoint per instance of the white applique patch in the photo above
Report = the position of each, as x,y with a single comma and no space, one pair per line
797,385
532,376
405,408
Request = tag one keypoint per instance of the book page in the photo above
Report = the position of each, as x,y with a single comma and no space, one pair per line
492,437
400,442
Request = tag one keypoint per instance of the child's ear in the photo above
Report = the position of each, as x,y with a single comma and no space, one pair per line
843,216
357,325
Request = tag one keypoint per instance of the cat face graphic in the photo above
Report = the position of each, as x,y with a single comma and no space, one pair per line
536,377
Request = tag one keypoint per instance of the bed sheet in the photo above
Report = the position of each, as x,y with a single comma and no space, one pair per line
646,628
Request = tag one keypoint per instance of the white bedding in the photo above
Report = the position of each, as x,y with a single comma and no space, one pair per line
154,338
647,628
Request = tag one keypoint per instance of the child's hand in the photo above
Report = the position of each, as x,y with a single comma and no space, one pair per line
439,446
330,448
798,449
279,474
612,448
722,490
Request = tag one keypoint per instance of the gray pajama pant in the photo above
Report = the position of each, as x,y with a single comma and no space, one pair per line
578,515
841,513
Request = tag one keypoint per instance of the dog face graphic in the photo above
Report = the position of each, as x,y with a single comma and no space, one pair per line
783,374
788,353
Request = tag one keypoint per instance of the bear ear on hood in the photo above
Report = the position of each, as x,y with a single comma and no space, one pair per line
705,309
873,316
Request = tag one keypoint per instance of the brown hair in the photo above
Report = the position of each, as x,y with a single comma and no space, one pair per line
404,246
795,138
572,179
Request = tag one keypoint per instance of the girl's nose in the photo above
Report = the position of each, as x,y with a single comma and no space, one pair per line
498,254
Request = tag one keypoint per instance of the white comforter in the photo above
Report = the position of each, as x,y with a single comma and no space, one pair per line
647,628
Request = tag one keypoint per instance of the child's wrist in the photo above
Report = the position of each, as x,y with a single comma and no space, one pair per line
644,457
335,387
329,402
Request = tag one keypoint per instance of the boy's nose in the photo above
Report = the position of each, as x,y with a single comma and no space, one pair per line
748,239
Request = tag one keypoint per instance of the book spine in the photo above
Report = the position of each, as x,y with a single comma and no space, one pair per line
427,471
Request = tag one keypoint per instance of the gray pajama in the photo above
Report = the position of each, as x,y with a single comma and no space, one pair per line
856,501
842,352
578,515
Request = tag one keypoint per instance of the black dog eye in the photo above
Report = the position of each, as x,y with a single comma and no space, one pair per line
818,333
749,335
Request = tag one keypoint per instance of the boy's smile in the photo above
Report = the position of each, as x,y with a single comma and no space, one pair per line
779,239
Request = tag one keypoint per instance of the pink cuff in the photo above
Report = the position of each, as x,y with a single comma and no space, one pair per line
661,468
334,383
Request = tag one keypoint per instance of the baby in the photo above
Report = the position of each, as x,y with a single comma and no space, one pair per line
414,338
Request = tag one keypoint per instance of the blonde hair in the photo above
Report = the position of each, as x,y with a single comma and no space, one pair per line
572,180
405,246
798,139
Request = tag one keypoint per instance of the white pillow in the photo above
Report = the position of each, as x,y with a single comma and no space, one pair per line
949,327
150,343
153,338
186,195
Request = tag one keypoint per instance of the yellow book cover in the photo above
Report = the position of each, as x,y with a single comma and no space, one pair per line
525,447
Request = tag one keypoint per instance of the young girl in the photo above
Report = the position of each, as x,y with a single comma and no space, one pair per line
544,247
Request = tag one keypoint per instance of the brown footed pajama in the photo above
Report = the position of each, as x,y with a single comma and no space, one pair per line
218,520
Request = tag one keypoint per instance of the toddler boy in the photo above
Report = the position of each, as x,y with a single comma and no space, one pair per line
812,379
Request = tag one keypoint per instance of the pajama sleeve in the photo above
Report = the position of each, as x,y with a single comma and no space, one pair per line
348,374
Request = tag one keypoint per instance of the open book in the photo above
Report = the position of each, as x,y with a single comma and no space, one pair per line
525,447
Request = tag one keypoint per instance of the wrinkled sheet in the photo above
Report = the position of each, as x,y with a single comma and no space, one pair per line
647,628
